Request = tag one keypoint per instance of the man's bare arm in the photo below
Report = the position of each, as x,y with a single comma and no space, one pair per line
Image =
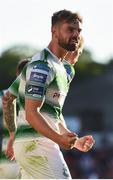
40,124
9,111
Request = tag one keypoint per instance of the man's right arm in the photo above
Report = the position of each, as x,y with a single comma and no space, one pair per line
39,123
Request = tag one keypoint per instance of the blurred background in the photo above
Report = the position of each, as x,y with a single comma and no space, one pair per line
26,29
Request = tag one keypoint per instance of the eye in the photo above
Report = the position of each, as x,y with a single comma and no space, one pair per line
79,30
70,29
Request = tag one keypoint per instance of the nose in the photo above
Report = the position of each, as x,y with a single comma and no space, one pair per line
76,35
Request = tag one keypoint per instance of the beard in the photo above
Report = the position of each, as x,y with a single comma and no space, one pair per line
68,46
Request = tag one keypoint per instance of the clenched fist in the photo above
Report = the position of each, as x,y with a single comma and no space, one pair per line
84,143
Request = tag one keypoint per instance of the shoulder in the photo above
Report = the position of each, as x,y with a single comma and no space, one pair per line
40,61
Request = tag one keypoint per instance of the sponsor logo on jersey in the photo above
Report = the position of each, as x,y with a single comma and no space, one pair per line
35,90
38,77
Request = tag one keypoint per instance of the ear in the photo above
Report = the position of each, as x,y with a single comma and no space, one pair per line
54,30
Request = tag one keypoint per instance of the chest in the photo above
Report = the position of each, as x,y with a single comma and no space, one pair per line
60,82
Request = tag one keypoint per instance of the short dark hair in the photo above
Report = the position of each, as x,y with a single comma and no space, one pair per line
65,15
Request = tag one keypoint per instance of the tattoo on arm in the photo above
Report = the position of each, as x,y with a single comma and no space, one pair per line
9,111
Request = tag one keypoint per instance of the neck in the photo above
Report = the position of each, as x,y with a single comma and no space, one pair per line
57,50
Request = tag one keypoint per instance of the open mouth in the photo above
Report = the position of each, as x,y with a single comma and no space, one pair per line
74,42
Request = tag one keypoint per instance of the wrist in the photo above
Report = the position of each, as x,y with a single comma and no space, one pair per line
12,135
75,144
58,138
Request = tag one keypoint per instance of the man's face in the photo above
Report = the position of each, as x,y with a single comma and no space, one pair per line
68,35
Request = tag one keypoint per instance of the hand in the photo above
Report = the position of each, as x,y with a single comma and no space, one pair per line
67,140
9,151
84,143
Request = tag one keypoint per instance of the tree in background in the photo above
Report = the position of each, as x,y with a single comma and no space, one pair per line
86,67
8,62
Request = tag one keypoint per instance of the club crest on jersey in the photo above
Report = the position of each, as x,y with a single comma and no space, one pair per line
38,77
56,95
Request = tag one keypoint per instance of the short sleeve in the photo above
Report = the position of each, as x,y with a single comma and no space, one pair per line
38,76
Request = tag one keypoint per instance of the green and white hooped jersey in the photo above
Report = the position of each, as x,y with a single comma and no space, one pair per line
44,78
47,80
